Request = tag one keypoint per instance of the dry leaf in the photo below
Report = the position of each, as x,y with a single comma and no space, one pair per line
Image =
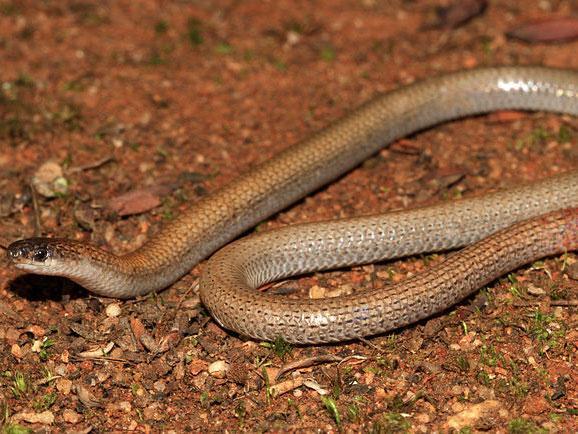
170,340
138,330
134,202
459,13
551,30
87,398
150,343
312,384
97,351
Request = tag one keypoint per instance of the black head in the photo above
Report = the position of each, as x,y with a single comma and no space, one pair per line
40,255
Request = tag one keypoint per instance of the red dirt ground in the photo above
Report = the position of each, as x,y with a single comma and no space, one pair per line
177,98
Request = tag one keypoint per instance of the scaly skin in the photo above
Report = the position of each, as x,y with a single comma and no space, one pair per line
302,168
229,280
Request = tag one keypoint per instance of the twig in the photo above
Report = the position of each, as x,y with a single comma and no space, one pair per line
182,298
286,386
37,224
307,362
91,166
103,359
47,380
372,345
573,302
569,303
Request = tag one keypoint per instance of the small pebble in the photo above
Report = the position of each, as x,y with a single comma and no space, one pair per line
153,412
45,418
49,180
197,366
341,291
64,386
422,418
125,406
534,290
200,380
71,416
218,369
456,390
457,407
16,351
117,353
113,310
160,386
316,292
60,370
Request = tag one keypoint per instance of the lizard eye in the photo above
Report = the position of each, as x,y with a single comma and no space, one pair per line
40,255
